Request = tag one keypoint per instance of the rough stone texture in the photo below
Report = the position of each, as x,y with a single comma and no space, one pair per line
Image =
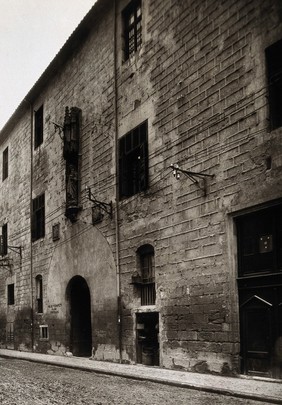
29,383
200,82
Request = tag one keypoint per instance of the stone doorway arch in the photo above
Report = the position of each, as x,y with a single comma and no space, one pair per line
78,297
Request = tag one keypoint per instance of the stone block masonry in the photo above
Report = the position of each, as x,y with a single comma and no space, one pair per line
205,72
199,81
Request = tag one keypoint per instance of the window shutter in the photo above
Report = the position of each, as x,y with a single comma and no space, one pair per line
143,167
33,221
123,177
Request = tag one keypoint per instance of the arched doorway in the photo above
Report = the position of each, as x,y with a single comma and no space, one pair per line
78,295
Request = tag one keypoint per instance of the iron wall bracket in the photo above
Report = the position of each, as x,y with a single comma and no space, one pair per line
106,207
193,176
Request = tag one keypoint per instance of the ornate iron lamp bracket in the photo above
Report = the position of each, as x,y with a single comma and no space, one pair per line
193,176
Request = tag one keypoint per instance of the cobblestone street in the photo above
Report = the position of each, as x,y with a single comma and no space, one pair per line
27,383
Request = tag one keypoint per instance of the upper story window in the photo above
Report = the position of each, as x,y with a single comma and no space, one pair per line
4,244
132,20
39,294
38,217
274,73
38,127
11,294
5,166
133,161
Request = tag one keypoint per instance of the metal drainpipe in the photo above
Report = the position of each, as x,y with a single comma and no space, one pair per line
117,184
31,245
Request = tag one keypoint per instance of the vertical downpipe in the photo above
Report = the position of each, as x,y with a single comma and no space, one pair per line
31,245
117,183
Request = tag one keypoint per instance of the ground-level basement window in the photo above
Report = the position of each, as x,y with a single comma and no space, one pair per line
43,332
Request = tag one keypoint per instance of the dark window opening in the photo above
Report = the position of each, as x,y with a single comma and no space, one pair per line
11,294
38,127
5,167
259,242
132,19
39,294
38,217
4,245
274,74
43,332
133,161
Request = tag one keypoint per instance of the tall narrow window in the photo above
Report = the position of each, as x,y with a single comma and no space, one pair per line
274,73
4,246
5,167
39,294
132,19
38,217
10,332
147,269
133,161
38,127
11,294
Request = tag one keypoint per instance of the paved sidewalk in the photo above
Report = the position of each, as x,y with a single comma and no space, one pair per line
249,388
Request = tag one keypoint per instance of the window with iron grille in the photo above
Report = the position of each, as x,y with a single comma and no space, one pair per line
132,20
147,269
133,161
5,167
274,73
38,217
4,245
38,127
11,294
39,294
43,332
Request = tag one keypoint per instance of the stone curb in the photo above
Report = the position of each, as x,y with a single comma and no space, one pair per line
59,362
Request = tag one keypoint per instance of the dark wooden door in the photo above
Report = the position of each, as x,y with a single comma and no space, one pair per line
260,292
256,334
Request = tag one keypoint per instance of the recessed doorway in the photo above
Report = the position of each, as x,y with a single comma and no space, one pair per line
147,324
260,291
78,294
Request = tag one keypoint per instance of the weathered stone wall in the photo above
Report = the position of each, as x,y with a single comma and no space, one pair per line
201,81
14,210
86,82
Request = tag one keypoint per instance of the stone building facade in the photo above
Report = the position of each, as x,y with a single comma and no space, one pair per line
141,191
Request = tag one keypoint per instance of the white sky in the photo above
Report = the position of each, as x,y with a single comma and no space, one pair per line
31,34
